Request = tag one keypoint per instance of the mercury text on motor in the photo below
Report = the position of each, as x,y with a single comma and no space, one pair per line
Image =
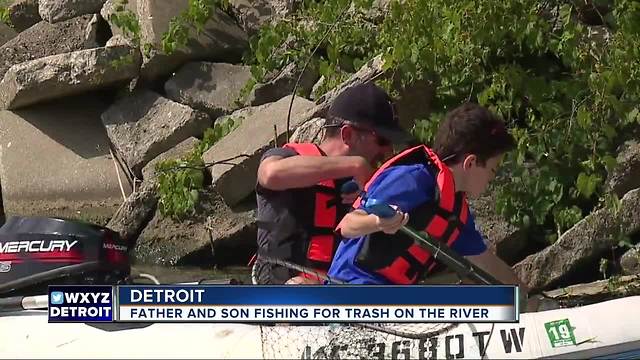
35,246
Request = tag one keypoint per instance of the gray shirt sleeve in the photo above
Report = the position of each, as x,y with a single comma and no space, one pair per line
282,152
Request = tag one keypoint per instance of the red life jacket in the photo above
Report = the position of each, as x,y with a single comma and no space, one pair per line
322,241
399,258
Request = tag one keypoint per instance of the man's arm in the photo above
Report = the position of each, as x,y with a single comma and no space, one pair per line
278,173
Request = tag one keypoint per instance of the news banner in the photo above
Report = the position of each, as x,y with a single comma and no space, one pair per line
265,303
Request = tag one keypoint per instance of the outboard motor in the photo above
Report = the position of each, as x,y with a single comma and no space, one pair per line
38,251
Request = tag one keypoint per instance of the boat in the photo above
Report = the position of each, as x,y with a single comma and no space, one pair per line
35,252
608,329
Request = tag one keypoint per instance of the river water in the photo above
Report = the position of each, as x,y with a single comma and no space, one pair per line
169,274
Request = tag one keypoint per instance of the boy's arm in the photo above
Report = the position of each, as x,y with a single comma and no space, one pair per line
403,187
358,223
281,173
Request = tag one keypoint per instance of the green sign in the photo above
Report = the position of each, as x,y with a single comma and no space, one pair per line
560,333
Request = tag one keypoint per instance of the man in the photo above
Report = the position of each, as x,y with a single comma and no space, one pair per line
428,188
298,187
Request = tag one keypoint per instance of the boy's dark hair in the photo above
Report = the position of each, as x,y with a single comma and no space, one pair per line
472,129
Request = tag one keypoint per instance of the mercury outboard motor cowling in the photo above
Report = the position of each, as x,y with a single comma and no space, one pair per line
38,251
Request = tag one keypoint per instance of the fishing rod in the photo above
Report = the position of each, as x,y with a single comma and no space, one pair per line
441,253
444,254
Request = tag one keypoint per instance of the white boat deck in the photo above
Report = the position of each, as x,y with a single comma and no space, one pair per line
597,330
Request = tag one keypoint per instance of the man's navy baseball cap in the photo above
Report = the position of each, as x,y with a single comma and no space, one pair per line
370,106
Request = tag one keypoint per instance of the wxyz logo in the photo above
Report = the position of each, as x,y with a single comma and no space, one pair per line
87,298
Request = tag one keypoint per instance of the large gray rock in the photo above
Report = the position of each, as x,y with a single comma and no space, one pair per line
254,14
44,39
24,14
507,239
599,35
309,131
135,213
585,242
93,32
54,11
626,175
597,291
317,88
67,74
211,87
368,72
235,179
379,9
282,85
6,33
191,242
119,40
139,208
630,261
373,13
55,161
221,39
175,153
111,7
144,125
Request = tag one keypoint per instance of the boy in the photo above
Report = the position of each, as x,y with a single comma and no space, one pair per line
428,188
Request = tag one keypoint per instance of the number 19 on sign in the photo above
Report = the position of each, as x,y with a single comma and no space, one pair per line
560,333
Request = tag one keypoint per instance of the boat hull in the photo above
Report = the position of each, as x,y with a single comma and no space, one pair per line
606,328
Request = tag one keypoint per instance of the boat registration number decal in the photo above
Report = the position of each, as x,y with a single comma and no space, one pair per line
560,333
454,346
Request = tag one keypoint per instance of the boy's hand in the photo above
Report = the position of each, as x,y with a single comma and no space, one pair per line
393,224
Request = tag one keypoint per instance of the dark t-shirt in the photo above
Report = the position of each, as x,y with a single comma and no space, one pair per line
272,204
281,233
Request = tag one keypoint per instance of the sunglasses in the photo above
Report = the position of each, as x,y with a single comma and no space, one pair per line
380,140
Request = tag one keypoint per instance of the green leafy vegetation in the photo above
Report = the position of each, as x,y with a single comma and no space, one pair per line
179,181
245,91
4,11
127,21
181,27
194,17
567,88
568,91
